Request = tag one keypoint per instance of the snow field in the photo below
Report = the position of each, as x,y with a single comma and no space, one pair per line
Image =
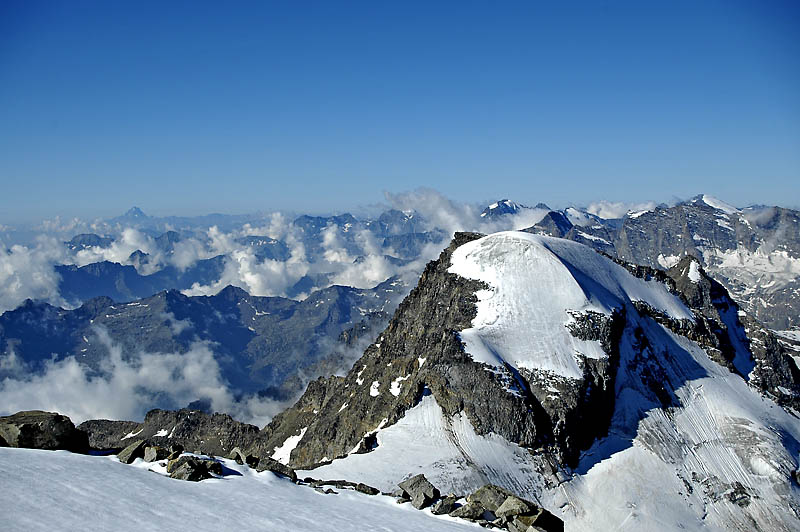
56,490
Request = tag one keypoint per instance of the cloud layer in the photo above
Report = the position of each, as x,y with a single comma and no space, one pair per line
126,388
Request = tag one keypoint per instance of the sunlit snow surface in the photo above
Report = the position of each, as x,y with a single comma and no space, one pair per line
535,281
58,491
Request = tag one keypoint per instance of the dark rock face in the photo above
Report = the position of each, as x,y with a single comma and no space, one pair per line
731,337
195,431
106,435
35,429
421,352
420,491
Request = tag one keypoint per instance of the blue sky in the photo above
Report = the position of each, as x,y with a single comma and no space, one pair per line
193,107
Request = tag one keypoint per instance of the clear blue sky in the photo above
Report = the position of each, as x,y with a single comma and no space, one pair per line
192,107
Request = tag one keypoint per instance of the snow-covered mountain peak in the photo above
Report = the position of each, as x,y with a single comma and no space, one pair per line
502,207
715,203
537,283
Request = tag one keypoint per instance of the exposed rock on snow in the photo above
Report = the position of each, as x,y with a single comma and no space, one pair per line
419,490
193,469
133,451
35,429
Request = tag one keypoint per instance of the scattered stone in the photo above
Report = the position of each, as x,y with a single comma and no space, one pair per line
472,511
420,491
369,490
154,453
490,497
132,452
512,506
268,464
739,495
35,429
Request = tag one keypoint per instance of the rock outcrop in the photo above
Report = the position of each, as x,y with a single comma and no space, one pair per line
195,431
35,429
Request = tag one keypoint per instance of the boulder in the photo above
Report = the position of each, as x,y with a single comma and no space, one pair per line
369,490
420,491
241,458
193,469
490,496
268,464
154,453
515,506
35,429
472,511
444,505
132,452
541,521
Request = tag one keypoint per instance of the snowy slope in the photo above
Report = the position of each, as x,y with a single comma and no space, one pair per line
535,281
56,490
667,469
446,449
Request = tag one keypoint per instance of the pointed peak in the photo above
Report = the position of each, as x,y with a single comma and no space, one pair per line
135,212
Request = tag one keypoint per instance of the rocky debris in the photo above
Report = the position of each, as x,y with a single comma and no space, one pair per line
445,505
242,458
420,491
193,469
132,452
268,464
343,485
154,453
35,429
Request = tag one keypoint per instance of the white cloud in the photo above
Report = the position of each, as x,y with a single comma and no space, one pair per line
616,209
128,388
29,273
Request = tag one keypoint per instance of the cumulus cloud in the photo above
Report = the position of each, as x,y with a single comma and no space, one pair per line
617,209
28,272
126,388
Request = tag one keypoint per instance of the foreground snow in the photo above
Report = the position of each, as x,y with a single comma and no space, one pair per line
57,490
